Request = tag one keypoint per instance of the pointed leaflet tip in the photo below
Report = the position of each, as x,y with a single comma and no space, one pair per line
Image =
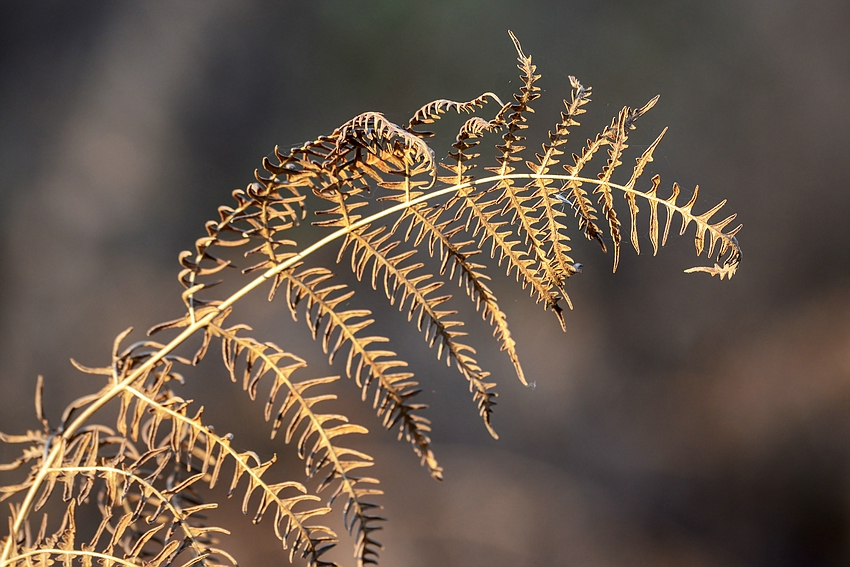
39,396
648,106
491,431
517,45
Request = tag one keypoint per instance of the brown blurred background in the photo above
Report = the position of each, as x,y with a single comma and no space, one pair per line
680,421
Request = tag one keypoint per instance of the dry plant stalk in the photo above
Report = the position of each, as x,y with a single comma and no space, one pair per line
143,473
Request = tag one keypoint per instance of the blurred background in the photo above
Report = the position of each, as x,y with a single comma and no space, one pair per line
681,420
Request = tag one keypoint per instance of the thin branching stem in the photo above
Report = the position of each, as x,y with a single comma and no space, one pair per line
72,553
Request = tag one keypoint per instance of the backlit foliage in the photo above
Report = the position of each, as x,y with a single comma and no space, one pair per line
383,199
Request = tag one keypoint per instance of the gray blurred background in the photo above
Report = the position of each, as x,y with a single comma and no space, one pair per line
680,421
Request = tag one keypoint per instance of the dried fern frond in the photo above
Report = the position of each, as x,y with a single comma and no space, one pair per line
483,222
536,270
394,391
381,200
317,444
187,432
399,283
141,381
432,111
549,216
455,259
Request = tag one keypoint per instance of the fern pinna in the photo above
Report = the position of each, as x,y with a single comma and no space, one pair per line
386,200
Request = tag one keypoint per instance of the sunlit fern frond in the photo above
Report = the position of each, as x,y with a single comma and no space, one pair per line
395,391
115,544
183,452
373,187
130,503
431,112
156,487
481,217
373,132
412,293
728,252
482,213
453,255
523,205
291,526
616,136
713,232
454,258
548,198
517,201
319,432
255,224
466,139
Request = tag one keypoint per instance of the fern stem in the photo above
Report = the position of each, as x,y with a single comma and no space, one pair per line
103,557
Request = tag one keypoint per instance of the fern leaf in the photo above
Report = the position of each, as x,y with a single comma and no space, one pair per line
118,484
431,112
617,141
536,270
395,390
261,213
316,445
144,474
480,211
706,230
121,483
640,165
373,246
455,256
723,241
372,131
525,221
617,135
549,217
465,140
150,395
581,203
514,199
309,541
